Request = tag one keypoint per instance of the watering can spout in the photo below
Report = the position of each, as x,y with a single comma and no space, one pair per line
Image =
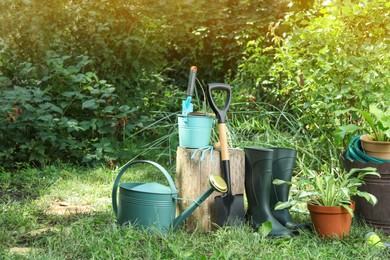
216,184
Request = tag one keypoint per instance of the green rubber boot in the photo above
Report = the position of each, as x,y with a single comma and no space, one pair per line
258,177
282,169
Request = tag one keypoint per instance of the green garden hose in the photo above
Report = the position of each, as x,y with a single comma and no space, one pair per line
355,152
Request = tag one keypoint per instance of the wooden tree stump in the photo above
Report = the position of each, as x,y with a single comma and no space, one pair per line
192,179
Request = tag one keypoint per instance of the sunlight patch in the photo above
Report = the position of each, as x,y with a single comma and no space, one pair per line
25,250
64,208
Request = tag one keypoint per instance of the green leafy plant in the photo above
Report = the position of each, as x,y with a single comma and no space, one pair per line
83,125
329,188
380,123
327,58
377,123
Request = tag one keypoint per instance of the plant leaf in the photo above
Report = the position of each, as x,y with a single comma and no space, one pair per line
306,194
280,182
346,192
91,104
340,112
284,205
265,228
369,197
342,131
348,208
369,119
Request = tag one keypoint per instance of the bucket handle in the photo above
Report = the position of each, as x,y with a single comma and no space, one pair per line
122,171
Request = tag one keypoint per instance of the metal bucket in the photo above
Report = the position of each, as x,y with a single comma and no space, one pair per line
195,131
145,204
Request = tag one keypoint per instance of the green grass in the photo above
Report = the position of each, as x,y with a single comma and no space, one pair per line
26,221
32,199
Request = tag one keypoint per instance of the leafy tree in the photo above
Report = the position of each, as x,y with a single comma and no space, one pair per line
96,65
328,58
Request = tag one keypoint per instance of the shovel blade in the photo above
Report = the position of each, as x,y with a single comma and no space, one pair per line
186,106
229,211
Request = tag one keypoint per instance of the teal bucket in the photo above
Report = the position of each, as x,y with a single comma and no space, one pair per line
195,131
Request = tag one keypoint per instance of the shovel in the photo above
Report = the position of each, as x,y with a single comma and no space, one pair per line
187,106
229,208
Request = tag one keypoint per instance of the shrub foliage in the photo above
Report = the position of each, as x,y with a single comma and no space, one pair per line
83,76
79,79
328,58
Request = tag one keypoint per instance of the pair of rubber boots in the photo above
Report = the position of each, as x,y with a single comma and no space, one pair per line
262,166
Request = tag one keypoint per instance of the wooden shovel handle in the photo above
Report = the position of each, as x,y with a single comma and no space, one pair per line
223,141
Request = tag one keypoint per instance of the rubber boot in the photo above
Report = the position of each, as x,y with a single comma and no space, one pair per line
258,176
282,169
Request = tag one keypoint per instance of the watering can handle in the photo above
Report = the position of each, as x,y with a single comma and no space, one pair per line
122,171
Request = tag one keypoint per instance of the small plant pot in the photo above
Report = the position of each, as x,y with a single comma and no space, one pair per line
195,130
331,222
375,149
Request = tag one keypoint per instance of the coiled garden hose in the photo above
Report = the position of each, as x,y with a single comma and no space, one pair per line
355,152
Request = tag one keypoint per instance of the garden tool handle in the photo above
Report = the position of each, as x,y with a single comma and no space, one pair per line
191,81
223,142
122,171
220,113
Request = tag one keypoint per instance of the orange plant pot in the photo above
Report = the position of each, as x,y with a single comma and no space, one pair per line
331,222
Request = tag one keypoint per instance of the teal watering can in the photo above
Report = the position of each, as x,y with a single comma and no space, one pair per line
153,204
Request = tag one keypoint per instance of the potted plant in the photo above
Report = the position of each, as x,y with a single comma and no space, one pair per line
328,196
367,151
376,140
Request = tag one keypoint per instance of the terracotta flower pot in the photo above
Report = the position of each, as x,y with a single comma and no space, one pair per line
331,222
375,149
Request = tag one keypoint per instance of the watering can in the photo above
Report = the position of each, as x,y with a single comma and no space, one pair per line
153,204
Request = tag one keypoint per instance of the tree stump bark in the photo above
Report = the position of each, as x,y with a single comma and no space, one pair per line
192,179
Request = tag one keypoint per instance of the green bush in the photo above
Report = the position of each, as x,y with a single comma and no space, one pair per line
80,125
125,39
335,56
88,73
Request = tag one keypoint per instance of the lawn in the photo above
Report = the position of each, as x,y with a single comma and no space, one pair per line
64,212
